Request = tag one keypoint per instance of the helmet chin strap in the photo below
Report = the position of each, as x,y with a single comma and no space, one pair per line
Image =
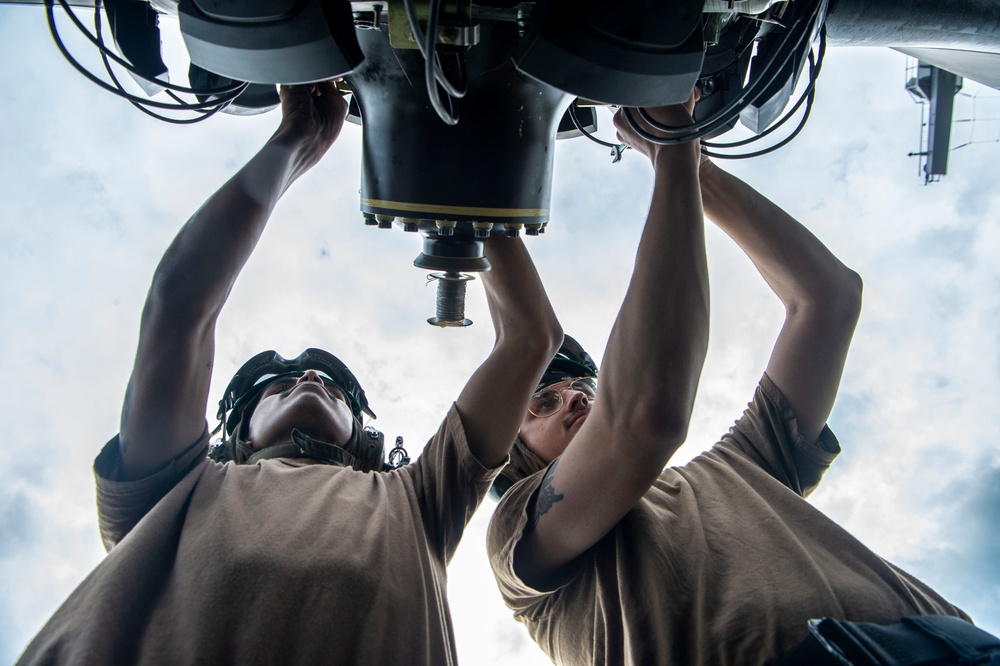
363,451
304,446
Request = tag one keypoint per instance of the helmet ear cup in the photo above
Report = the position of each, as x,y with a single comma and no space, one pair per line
235,446
368,448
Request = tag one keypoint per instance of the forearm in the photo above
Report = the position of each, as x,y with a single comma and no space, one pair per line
164,407
519,307
648,379
528,334
799,269
198,269
822,297
657,347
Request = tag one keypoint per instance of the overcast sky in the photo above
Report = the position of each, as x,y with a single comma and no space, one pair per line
91,193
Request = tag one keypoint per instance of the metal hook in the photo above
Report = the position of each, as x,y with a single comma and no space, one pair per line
616,152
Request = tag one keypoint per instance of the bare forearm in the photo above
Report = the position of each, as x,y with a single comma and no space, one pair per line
796,265
164,408
657,347
822,297
648,378
519,306
198,269
528,334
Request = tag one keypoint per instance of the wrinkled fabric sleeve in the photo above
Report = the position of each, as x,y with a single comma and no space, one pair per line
122,504
451,483
768,434
505,531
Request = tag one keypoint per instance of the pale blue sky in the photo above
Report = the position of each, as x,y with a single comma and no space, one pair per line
91,192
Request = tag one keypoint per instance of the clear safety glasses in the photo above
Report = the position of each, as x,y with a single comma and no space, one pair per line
549,400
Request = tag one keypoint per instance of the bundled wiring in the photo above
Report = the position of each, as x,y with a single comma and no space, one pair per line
807,97
203,114
219,98
433,71
796,35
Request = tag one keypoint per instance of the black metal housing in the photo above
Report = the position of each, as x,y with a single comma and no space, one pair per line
493,168
268,42
632,52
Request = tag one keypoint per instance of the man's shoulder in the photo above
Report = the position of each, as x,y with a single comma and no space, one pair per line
121,504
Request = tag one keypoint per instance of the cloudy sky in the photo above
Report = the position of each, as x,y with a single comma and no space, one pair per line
91,192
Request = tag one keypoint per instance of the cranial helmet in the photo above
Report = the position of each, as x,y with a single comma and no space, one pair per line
570,362
365,449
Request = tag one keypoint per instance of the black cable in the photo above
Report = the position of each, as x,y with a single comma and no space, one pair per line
50,17
449,116
749,94
616,148
808,95
204,115
418,36
724,115
131,68
433,70
583,131
769,149
815,66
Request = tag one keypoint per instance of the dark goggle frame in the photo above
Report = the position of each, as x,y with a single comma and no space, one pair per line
268,366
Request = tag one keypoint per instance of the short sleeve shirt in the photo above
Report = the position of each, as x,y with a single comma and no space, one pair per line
284,561
722,561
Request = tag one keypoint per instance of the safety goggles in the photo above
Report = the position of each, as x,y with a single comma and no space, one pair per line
282,381
549,400
267,367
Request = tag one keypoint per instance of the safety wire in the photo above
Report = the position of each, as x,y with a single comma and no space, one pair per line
220,97
807,96
433,71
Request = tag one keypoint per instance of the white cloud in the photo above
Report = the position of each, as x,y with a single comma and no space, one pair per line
91,193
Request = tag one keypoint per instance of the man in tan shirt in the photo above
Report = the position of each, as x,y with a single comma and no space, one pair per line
607,557
291,545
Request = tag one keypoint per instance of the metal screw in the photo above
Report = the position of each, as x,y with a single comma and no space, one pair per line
446,227
482,229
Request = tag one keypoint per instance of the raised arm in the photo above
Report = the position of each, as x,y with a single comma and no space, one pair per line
527,336
822,297
167,395
648,376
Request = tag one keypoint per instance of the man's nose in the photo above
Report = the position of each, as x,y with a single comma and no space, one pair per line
309,376
576,399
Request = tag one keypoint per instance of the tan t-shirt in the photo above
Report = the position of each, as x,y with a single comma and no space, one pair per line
283,562
721,562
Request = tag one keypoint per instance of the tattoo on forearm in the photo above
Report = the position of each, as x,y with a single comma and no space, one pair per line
547,495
